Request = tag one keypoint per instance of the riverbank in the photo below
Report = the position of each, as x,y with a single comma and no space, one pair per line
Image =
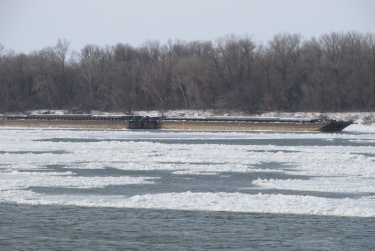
360,118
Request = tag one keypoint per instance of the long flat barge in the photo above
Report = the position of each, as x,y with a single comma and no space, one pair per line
87,121
254,124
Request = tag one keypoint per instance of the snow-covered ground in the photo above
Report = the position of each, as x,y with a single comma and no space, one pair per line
364,118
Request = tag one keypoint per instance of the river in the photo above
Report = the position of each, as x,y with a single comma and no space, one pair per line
186,190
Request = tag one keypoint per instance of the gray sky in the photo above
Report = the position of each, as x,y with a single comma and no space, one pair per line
28,25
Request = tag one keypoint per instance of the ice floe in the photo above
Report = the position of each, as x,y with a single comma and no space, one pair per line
297,168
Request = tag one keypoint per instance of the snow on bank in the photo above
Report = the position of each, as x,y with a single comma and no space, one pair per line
365,118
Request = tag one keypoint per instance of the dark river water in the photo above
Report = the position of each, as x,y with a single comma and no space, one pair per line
25,227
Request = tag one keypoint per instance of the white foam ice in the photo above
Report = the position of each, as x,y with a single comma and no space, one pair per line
230,202
26,154
22,180
327,184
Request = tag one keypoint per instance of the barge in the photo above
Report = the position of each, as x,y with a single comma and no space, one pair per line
254,124
87,121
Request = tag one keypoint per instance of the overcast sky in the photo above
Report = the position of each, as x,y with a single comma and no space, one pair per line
28,25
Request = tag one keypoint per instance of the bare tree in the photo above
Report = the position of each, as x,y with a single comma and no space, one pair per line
286,54
369,70
314,80
2,51
335,72
90,72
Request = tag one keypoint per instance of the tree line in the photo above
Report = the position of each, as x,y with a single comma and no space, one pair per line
332,73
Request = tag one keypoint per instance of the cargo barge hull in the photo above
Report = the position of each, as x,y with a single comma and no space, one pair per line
254,126
171,123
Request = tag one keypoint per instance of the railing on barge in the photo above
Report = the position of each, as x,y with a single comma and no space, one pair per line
128,121
242,119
